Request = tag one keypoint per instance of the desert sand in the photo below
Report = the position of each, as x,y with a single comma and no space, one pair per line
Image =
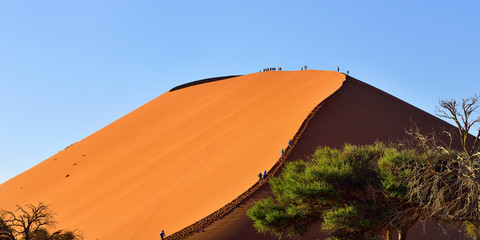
179,157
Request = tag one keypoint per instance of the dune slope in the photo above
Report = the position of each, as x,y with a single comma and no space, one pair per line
176,159
358,114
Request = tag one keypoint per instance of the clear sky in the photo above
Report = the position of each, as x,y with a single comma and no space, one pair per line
70,67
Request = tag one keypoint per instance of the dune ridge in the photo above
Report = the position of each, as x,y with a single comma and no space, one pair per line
203,223
202,81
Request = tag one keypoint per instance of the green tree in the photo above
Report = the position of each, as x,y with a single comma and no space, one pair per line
355,193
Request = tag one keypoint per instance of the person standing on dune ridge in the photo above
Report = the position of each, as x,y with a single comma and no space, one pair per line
162,235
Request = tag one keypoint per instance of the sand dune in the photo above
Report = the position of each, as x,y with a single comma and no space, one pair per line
176,159
357,113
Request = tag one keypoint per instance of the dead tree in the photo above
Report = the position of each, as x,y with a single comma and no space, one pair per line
466,117
445,183
24,222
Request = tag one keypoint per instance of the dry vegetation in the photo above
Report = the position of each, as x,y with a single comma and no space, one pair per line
32,222
446,183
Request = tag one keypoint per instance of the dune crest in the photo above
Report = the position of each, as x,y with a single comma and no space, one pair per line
176,159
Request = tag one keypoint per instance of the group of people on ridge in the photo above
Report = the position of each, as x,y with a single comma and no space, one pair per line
262,176
338,70
271,69
289,146
278,69
302,68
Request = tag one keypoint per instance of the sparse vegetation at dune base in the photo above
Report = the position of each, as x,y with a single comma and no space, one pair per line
32,223
364,192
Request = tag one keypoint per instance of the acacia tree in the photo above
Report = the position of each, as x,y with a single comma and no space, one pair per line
445,184
354,193
30,223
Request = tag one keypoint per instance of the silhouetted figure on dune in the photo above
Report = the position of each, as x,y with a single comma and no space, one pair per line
265,175
162,235
338,69
260,178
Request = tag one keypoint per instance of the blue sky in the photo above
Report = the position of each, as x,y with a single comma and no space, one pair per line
69,67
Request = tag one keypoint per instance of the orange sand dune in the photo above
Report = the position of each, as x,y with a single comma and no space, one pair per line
358,114
176,159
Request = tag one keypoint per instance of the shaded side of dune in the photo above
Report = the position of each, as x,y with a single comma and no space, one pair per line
358,114
202,81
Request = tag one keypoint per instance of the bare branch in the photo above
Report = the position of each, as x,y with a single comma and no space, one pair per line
28,220
446,183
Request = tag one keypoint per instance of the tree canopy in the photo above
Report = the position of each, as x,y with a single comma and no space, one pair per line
354,193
